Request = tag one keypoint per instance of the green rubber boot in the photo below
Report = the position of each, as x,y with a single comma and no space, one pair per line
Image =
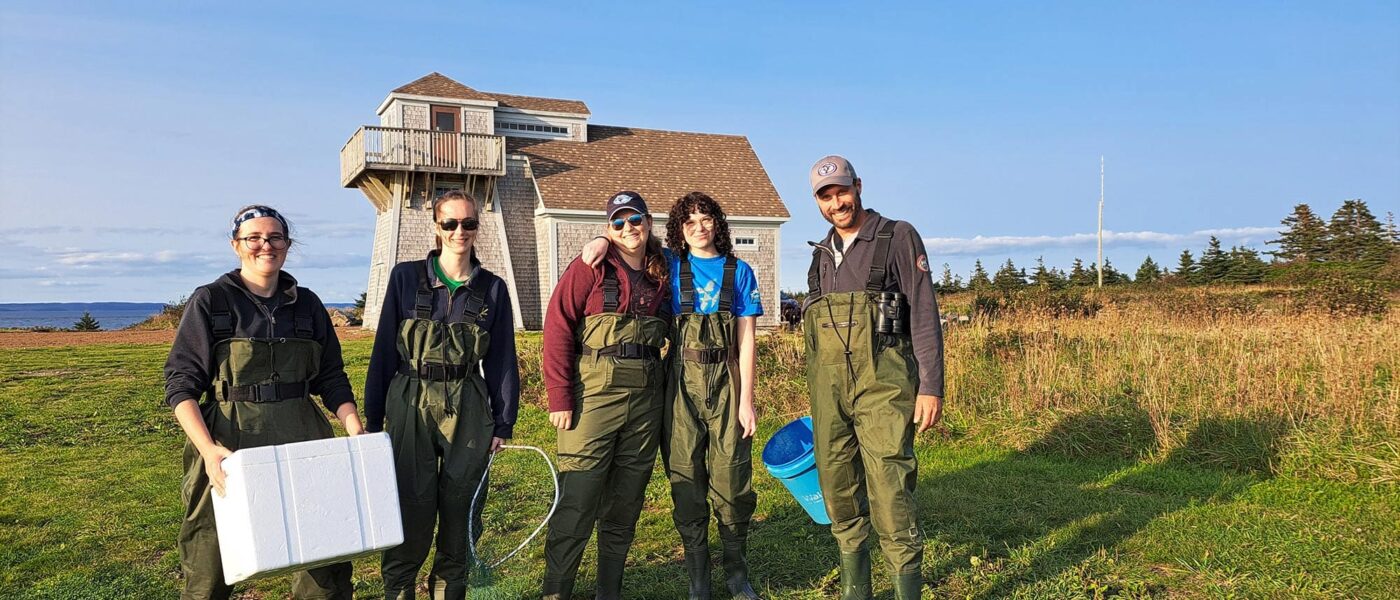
855,575
697,567
610,578
909,586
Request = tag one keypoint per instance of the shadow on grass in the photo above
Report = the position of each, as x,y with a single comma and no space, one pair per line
1035,514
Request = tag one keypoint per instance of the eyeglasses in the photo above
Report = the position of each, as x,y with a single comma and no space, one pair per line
254,242
707,223
635,220
467,224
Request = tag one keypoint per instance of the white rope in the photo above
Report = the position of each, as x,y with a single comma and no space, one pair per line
471,538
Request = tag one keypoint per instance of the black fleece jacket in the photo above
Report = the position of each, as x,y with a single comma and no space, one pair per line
190,368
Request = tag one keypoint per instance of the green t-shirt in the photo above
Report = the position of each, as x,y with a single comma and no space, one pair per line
452,284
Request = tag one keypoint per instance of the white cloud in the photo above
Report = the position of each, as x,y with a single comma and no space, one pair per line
991,244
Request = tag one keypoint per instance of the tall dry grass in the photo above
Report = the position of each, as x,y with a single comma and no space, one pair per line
1321,387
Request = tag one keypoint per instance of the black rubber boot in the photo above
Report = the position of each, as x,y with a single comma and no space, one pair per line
610,578
697,567
736,566
855,575
555,590
909,586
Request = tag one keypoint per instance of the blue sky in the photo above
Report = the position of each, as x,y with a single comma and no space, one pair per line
129,132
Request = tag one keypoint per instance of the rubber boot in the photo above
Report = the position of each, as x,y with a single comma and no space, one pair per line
908,586
855,575
553,590
736,566
609,578
697,567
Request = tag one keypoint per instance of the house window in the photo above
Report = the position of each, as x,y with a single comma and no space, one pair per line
741,241
535,127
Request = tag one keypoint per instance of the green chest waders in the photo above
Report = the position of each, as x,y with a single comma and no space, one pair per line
260,396
438,417
606,459
862,386
708,460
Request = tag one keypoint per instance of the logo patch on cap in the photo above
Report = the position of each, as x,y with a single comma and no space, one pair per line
622,199
826,168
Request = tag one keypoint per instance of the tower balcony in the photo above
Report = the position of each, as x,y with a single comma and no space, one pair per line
375,149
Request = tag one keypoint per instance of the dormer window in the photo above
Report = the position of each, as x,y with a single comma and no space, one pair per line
549,130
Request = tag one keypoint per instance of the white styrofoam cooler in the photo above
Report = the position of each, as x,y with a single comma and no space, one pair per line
296,506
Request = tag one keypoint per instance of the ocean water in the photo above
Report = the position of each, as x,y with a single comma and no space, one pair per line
62,315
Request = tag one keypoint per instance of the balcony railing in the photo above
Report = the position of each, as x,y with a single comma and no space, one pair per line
399,149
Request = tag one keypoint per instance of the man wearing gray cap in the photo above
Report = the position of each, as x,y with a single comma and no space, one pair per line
874,374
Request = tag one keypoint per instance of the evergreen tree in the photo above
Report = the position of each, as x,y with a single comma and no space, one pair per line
979,280
1111,276
87,323
1078,275
947,285
1304,240
1186,267
1009,278
1148,272
1245,266
1046,278
1354,235
1215,264
1391,233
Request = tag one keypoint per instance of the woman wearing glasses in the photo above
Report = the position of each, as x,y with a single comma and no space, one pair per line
251,350
443,382
604,376
710,420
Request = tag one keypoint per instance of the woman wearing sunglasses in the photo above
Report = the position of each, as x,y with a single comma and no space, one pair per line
443,381
604,376
709,422
251,350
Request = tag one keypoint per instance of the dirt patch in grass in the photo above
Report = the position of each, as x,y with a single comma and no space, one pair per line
52,339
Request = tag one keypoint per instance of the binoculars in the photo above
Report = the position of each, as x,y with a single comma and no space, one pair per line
893,313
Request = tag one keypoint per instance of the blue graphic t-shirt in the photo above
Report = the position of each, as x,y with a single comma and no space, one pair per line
709,272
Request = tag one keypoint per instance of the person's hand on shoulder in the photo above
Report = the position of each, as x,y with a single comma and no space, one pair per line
594,251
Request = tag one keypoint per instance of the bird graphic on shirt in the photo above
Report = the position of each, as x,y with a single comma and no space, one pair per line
709,297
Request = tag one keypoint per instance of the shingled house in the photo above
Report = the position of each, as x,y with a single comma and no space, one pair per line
541,171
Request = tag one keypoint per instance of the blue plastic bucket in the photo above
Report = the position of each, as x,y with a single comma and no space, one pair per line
788,456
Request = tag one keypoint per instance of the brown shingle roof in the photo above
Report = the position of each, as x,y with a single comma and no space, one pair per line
660,165
442,86
574,107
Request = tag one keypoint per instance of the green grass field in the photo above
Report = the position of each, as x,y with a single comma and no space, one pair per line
1075,502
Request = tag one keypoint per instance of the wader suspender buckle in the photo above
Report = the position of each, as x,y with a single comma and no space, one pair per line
220,319
878,263
611,292
423,299
476,300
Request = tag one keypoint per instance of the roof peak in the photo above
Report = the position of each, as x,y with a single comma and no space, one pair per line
436,84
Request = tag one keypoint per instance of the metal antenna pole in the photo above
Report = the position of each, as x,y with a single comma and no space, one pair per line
1100,263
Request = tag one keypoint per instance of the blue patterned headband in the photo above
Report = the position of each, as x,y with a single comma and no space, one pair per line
256,212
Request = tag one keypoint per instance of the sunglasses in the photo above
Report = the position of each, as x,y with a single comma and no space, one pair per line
467,224
635,220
